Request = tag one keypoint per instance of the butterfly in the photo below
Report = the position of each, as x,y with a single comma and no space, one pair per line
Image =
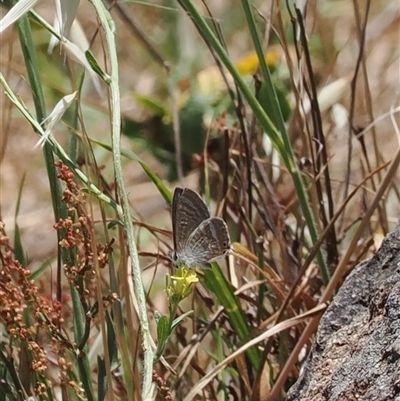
198,237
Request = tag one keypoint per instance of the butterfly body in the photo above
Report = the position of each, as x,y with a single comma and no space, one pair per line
198,237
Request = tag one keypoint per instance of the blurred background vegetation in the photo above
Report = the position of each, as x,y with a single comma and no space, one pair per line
335,90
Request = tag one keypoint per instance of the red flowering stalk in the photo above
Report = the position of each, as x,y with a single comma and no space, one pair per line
17,294
77,234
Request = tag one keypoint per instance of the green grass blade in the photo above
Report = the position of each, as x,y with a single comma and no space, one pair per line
272,107
216,282
278,138
79,331
18,247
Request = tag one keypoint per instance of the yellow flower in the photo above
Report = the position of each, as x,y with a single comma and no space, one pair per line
211,83
248,64
180,285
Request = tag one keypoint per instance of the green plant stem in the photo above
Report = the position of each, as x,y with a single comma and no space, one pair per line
108,26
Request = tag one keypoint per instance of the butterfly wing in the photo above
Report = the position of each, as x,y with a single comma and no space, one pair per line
208,241
188,212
